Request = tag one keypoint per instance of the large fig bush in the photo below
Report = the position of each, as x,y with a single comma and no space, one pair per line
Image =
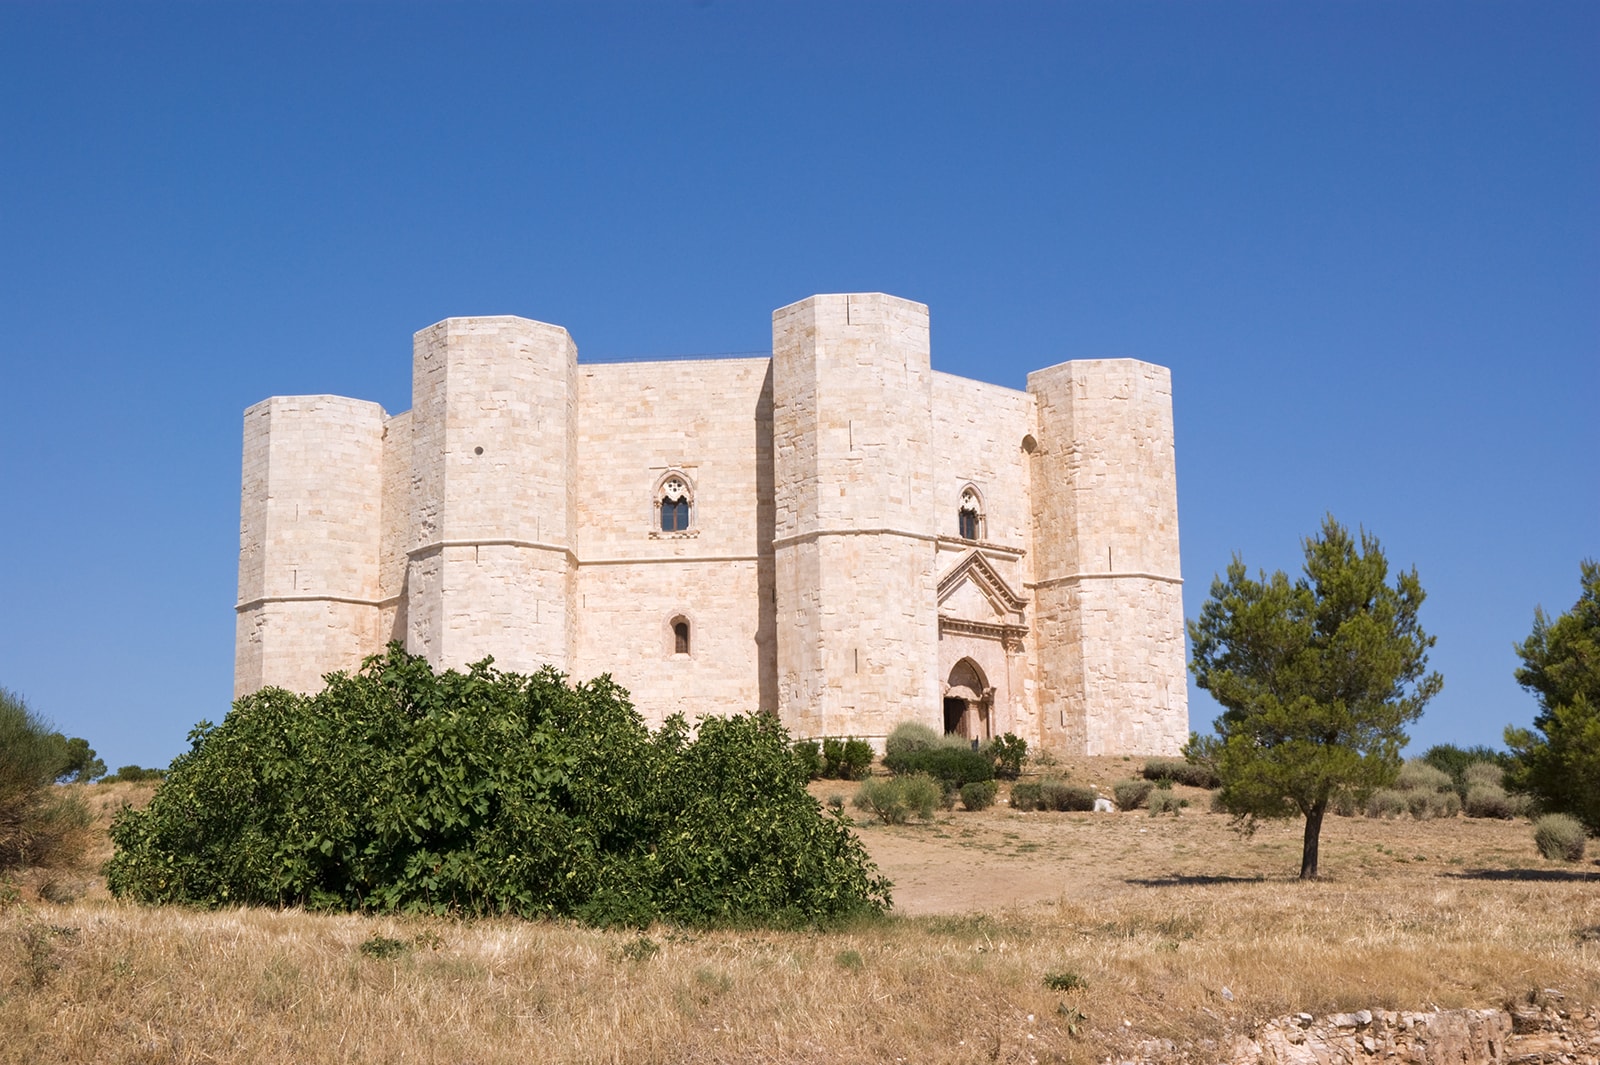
399,789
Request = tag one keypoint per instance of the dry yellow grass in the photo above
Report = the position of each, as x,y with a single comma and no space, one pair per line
1154,916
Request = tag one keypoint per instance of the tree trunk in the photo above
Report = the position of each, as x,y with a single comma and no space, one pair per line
1308,853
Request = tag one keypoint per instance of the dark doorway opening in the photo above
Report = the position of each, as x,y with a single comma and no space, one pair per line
954,711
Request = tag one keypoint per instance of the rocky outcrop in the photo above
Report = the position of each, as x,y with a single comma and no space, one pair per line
1534,1034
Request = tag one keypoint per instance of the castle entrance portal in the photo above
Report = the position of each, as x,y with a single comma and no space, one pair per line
968,701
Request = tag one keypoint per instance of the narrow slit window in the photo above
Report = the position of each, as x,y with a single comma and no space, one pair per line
680,637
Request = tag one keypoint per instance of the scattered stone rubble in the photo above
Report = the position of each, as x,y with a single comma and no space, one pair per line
1547,1034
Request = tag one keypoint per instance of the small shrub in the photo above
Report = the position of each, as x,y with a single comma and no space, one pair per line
1483,774
1059,795
809,754
896,800
1345,804
1065,981
1488,801
1165,802
1131,794
850,960
835,801
1417,775
1425,805
1027,796
845,758
383,947
1387,802
1454,760
979,795
641,949
1181,771
1559,837
953,766
910,736
1009,751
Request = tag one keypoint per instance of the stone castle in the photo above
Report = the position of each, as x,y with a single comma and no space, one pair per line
838,534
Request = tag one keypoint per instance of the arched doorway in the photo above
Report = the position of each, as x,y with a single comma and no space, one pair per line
968,700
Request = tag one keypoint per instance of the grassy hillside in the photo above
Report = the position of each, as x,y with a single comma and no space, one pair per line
1022,937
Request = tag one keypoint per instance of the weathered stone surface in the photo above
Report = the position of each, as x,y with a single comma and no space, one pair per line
867,539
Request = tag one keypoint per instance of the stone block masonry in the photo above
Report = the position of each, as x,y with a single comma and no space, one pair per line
838,535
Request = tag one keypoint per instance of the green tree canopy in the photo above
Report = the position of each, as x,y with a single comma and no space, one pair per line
37,825
1559,759
79,763
1317,679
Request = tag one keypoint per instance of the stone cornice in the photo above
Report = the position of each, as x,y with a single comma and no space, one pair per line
308,598
1073,578
817,534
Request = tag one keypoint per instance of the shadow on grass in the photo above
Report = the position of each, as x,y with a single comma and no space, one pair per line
1192,881
1555,876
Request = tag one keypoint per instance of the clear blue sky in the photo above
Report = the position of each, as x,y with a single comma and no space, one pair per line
1363,236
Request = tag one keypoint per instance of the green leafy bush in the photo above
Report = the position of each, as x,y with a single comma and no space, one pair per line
1027,796
401,790
895,800
1560,837
845,758
952,766
1486,800
39,826
1181,771
1008,751
1131,794
809,754
979,795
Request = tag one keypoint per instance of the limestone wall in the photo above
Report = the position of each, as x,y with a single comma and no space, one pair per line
308,539
710,422
979,431
1109,662
855,515
494,432
512,512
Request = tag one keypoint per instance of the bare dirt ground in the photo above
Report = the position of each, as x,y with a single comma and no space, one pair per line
997,859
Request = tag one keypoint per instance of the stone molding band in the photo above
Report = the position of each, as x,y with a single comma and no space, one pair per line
441,544
1073,578
350,599
535,545
797,538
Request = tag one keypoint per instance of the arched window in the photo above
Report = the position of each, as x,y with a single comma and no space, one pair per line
969,517
680,636
674,504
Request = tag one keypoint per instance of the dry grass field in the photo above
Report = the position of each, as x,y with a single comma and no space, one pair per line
1017,937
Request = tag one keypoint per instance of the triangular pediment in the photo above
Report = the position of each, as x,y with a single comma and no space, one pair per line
973,589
